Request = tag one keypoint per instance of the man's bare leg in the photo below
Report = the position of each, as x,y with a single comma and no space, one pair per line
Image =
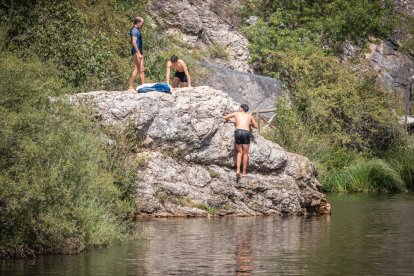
141,70
134,73
245,148
176,82
239,153
183,84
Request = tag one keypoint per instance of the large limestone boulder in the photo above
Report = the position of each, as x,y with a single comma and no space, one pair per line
189,156
259,92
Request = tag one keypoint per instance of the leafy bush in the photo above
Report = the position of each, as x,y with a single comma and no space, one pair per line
58,187
345,109
332,114
332,21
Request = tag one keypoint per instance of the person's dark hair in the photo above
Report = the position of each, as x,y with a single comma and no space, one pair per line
245,107
174,58
137,20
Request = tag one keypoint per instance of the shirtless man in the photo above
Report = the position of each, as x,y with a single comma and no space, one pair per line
242,136
136,51
181,76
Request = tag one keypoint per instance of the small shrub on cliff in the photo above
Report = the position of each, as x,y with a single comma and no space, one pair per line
217,50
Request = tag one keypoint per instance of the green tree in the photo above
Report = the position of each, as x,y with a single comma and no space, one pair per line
58,190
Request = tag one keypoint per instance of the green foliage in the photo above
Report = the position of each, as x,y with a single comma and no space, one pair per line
402,160
210,210
407,35
62,188
332,21
338,106
88,41
332,114
291,133
373,175
59,193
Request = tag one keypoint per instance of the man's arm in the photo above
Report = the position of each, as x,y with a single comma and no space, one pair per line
254,123
229,116
168,72
187,74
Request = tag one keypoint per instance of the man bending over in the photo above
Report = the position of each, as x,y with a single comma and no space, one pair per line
181,76
242,136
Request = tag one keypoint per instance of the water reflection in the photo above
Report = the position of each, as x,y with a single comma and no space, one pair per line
244,257
364,236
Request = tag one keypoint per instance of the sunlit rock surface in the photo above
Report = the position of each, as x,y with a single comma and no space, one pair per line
189,157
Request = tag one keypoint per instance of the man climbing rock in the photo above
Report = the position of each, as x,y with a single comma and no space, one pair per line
137,54
242,136
182,76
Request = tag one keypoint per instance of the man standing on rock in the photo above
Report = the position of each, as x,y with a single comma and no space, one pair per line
242,136
137,55
182,76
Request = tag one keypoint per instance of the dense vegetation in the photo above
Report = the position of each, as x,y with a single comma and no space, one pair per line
87,41
62,187
60,190
338,117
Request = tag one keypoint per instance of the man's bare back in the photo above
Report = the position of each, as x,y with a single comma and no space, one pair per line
243,120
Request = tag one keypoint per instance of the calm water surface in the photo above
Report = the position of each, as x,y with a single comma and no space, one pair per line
366,235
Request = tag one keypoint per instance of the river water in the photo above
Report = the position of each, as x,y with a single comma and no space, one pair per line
365,235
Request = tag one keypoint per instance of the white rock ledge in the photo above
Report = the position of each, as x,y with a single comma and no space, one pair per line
189,153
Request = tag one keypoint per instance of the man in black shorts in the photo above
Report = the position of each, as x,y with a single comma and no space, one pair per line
242,136
182,76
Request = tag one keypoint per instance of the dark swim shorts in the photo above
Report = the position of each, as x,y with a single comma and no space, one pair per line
133,51
181,75
242,136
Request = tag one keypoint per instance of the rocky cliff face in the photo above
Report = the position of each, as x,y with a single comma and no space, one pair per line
405,6
199,25
189,156
394,68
